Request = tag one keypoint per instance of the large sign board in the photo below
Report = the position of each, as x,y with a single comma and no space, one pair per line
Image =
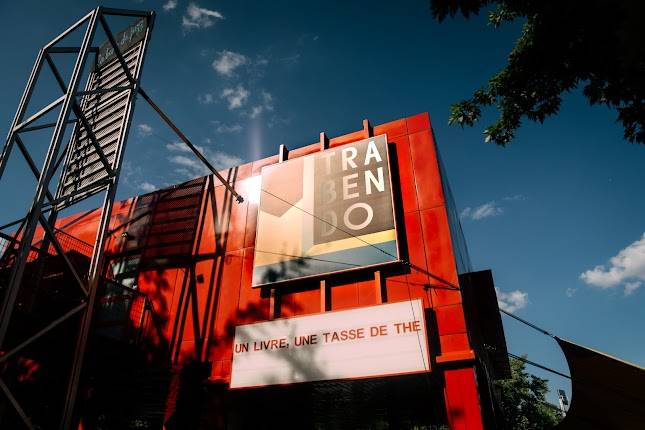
107,107
373,341
326,212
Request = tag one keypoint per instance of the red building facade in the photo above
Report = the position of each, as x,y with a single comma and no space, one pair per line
180,268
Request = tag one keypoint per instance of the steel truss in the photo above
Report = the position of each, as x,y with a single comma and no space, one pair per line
45,206
85,144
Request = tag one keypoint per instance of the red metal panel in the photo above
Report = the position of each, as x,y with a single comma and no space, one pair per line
405,173
451,343
398,289
226,369
426,170
418,267
196,298
392,129
346,138
227,281
186,352
251,216
441,262
305,150
450,319
160,286
252,307
237,173
216,371
344,296
300,302
207,243
259,164
462,401
220,348
418,122
367,294
230,218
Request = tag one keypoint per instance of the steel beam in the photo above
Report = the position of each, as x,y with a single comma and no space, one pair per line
40,113
34,214
32,165
117,51
61,253
69,30
21,249
97,261
192,147
52,325
23,416
20,112
68,49
41,126
124,12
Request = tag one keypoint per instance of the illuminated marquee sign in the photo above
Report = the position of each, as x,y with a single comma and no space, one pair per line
326,212
373,341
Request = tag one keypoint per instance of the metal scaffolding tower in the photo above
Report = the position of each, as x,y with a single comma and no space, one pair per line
86,164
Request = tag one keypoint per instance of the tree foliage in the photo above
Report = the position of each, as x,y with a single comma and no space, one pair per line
523,400
596,44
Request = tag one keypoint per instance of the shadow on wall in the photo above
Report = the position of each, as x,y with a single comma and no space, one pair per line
157,315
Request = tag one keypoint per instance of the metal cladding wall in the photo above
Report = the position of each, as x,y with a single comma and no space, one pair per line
198,318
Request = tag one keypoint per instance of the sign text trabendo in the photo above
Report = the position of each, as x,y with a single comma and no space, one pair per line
373,341
326,212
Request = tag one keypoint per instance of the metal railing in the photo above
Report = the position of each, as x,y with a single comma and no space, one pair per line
67,241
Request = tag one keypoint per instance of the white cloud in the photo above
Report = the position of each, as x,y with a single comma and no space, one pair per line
147,187
170,5
627,268
206,98
199,17
188,165
144,130
261,60
631,287
182,147
227,128
570,292
486,210
266,104
514,198
227,61
236,97
291,60
513,301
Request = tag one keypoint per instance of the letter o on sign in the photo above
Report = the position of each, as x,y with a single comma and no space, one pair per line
368,218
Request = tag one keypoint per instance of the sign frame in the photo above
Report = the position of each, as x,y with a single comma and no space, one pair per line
427,357
334,273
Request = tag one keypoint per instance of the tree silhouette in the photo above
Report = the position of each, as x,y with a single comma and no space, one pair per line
523,400
597,44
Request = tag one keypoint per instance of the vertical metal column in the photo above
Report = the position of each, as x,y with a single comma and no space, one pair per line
35,212
27,226
79,187
97,262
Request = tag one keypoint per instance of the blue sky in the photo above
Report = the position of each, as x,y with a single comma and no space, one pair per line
242,77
